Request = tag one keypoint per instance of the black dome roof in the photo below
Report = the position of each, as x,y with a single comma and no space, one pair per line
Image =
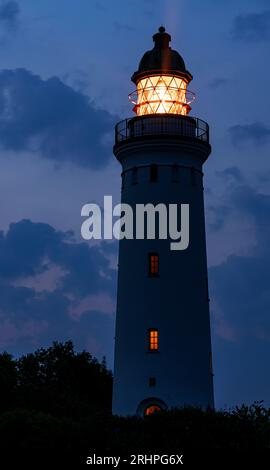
161,59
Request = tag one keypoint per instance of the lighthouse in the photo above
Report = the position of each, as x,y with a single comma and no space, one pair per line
163,353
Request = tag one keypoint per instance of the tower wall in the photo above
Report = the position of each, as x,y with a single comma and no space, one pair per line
176,302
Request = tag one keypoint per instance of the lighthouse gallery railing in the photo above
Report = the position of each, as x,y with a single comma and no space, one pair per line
166,125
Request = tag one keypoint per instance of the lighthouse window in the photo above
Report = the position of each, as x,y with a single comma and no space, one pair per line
153,264
152,381
153,340
134,175
175,173
153,173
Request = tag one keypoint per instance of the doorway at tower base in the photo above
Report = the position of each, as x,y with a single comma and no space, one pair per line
151,405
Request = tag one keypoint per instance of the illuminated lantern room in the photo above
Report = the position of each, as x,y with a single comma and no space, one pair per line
161,80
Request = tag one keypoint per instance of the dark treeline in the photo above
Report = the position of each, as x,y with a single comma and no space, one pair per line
58,399
57,381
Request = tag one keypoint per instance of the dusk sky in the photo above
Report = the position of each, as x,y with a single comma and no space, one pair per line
64,83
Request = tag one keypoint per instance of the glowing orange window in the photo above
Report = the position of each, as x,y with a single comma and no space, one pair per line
153,340
152,409
153,264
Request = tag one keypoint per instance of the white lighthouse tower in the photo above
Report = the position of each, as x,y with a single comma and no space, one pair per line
162,342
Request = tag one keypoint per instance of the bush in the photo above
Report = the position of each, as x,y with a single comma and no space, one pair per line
57,399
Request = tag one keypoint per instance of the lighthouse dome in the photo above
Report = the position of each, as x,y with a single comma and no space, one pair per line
162,59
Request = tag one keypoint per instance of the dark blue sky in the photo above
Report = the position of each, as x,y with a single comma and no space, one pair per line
64,80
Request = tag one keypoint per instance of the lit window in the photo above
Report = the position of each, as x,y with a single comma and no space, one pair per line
153,173
153,340
153,264
152,409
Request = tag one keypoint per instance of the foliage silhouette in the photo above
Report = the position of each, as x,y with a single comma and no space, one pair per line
58,399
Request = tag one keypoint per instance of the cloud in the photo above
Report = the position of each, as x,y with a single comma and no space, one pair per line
220,211
252,27
123,27
232,173
240,300
218,83
28,248
80,306
52,119
100,6
257,133
219,217
25,246
9,12
29,320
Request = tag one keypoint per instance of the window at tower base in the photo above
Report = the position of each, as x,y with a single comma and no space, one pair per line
152,409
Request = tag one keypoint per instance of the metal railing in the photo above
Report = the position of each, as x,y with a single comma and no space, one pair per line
165,125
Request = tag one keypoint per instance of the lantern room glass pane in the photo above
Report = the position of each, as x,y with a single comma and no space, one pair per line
161,94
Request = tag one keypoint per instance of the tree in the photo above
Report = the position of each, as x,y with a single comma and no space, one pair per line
8,381
60,381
